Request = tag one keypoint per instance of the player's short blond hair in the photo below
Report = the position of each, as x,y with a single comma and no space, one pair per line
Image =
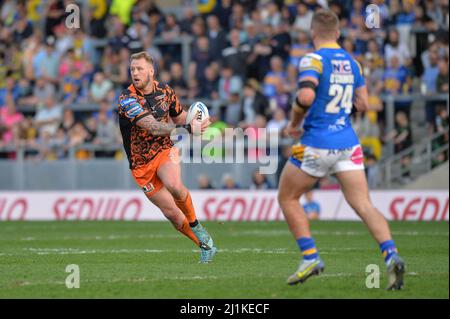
325,23
142,55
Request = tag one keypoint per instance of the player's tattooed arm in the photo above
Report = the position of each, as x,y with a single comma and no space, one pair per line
155,127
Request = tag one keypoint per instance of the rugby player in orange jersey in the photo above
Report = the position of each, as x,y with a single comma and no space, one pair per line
145,108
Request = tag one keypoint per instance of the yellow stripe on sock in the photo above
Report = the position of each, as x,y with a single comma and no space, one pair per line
309,251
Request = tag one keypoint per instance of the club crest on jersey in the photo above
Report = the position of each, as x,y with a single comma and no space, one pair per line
148,188
341,66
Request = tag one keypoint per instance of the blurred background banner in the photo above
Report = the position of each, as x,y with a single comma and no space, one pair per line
215,205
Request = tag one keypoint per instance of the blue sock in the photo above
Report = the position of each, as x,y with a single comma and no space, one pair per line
308,248
388,250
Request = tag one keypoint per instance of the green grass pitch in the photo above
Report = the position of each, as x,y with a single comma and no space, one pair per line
152,260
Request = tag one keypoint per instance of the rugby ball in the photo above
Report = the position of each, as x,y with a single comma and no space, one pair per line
197,110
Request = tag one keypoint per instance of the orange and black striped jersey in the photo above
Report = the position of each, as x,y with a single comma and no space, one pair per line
140,145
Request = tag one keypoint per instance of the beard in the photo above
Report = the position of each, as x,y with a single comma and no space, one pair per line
142,83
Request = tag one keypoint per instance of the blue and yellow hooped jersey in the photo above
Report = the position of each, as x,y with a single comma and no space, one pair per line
327,123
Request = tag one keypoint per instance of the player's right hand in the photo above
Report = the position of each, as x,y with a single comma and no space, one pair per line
293,131
199,127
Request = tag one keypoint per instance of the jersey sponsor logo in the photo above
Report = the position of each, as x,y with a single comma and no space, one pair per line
357,157
341,72
341,66
135,111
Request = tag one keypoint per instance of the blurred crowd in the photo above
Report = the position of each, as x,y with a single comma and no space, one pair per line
59,85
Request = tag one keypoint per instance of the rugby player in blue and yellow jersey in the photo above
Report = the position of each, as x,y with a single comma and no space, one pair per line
331,82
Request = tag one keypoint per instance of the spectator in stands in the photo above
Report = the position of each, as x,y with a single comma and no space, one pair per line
25,89
311,207
278,122
54,12
193,88
281,99
77,136
106,134
261,53
22,29
401,135
26,132
201,58
235,56
431,72
300,48
372,172
303,18
204,182
375,64
10,89
393,48
217,38
171,32
397,80
252,33
275,74
198,28
359,33
281,41
48,117
9,118
253,103
58,144
14,61
100,87
442,79
259,181
135,35
228,83
114,70
438,12
186,20
237,17
441,126
229,183
177,81
223,12
233,110
291,84
210,86
152,49
46,62
68,121
256,132
338,9
90,125
429,81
